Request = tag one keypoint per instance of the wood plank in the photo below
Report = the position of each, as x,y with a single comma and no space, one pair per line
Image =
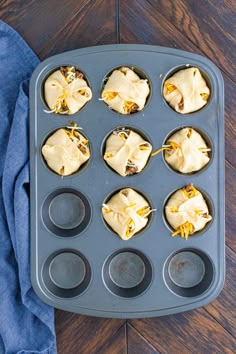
115,344
230,121
207,24
223,308
83,334
94,26
39,21
153,28
230,207
137,344
190,332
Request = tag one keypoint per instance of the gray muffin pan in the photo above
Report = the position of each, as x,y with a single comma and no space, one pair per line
78,264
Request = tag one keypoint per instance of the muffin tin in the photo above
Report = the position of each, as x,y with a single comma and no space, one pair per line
78,264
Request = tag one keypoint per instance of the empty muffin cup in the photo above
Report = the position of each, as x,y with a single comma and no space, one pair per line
126,90
66,273
66,212
189,272
127,273
187,89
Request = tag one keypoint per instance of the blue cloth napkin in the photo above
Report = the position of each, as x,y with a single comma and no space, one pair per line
26,324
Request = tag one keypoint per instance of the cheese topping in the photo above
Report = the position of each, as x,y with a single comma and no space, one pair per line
170,146
110,95
184,230
187,211
190,191
169,87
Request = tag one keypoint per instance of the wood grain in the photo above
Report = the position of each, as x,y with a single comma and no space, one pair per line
189,332
223,308
230,121
80,32
116,344
210,27
230,207
90,332
137,344
40,20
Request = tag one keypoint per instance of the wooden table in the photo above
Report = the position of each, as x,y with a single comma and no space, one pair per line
199,26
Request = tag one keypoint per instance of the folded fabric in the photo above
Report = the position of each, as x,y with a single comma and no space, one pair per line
26,324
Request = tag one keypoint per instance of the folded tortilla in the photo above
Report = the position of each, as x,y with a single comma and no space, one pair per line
127,149
126,213
186,91
124,88
190,156
181,209
64,155
75,94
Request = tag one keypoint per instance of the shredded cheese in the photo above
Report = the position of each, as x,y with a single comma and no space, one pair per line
170,87
110,95
106,208
129,206
174,209
130,227
202,149
61,105
145,211
70,76
171,145
62,169
108,155
143,147
190,130
71,133
190,191
123,135
184,230
129,106
51,111
204,96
